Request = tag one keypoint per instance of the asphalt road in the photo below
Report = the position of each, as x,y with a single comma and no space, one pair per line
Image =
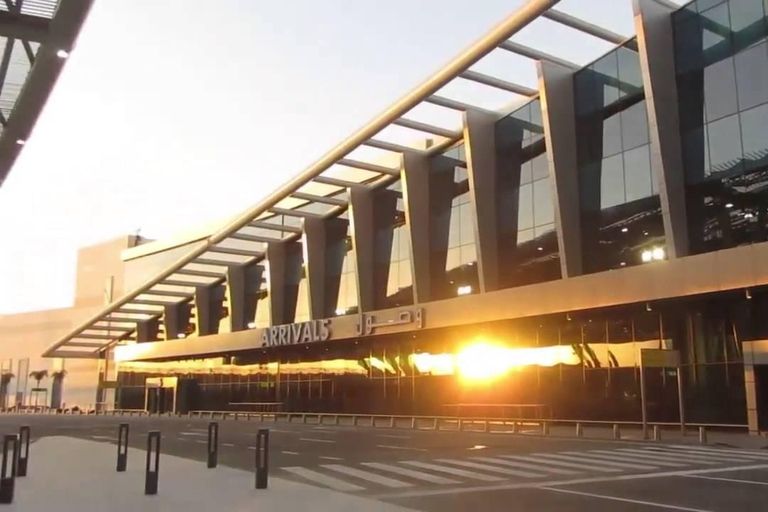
447,471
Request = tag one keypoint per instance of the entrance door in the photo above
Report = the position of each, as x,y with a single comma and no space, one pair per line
160,395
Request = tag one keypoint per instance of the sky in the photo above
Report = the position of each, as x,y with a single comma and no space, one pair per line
173,114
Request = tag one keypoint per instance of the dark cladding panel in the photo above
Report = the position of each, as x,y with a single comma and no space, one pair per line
284,260
325,248
209,301
243,292
147,330
176,319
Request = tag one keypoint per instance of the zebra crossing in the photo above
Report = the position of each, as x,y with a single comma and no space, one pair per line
497,468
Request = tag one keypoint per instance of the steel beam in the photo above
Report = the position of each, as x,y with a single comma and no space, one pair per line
335,201
274,227
167,293
534,54
213,262
427,128
584,26
197,273
391,146
366,166
236,252
23,26
254,238
294,213
492,81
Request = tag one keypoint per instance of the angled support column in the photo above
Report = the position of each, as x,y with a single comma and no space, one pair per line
147,330
243,286
559,116
324,242
655,37
482,172
176,319
371,215
208,304
283,276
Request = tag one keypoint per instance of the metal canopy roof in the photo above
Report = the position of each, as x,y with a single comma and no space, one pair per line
36,37
321,190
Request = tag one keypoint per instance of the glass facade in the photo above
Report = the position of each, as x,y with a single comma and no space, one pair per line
621,218
347,300
721,56
393,250
526,218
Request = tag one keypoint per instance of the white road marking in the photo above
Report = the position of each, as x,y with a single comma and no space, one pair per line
736,480
453,471
193,434
416,475
714,451
251,447
370,477
624,500
201,441
310,439
229,445
289,453
107,438
584,457
514,464
326,429
328,481
181,439
669,456
326,457
704,456
611,455
564,464
390,447
491,469
394,436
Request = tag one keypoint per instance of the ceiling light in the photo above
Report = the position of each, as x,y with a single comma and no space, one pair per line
646,256
464,290
658,253
181,335
251,325
541,248
20,142
748,215
62,54
729,205
624,230
623,263
341,311
645,233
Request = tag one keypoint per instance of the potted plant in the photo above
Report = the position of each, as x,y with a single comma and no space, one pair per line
5,381
39,375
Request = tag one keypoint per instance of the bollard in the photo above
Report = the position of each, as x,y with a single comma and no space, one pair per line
656,433
213,444
702,435
616,431
7,474
413,422
262,458
150,479
544,428
435,424
23,459
515,428
392,422
485,425
579,430
122,447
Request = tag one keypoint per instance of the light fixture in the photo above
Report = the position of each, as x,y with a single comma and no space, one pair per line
541,248
648,306
464,290
749,215
62,54
658,253
623,263
747,293
181,335
646,256
624,230
341,311
20,142
645,233
729,205
251,325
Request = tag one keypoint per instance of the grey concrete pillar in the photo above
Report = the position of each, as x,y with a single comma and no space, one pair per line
428,187
209,300
176,319
284,267
371,214
243,289
325,247
559,116
655,37
482,172
147,330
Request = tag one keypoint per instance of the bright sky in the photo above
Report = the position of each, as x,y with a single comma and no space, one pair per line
173,114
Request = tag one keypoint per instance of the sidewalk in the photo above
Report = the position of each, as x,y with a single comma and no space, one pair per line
75,475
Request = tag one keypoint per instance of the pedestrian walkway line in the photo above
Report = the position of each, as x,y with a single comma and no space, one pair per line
491,469
624,500
326,457
612,455
416,475
732,453
319,478
370,477
702,455
668,456
394,436
585,457
289,453
562,463
453,471
392,447
735,480
229,445
313,440
523,465
201,441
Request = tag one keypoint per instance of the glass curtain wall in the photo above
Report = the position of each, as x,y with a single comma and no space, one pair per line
721,56
621,216
347,301
393,251
528,247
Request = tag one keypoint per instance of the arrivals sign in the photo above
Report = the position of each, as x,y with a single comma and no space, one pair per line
295,334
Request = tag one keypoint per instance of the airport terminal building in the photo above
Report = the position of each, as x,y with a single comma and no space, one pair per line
523,257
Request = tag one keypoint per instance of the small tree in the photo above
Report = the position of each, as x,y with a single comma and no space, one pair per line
5,381
57,388
39,375
59,375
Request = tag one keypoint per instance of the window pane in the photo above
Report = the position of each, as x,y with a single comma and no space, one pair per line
611,182
637,171
606,75
752,76
725,145
747,22
525,212
720,90
716,25
754,132
542,202
612,135
629,70
540,167
634,126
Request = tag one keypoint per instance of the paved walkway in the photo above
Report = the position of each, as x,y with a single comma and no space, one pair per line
75,475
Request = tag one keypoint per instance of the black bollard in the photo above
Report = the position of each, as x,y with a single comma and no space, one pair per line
213,444
122,447
153,444
23,462
8,474
262,458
